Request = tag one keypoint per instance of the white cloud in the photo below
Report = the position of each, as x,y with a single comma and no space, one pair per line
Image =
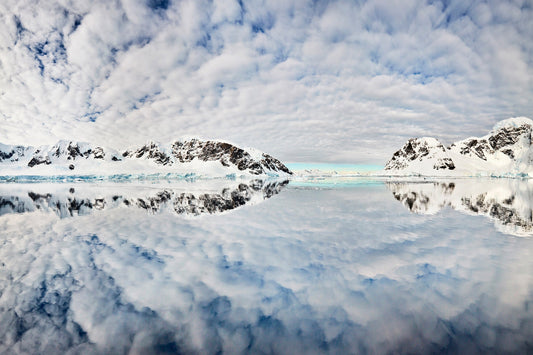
323,81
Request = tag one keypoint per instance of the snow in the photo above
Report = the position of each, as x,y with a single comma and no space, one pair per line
429,141
88,166
512,122
509,160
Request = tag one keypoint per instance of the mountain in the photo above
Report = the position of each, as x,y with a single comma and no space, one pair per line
508,202
181,156
505,151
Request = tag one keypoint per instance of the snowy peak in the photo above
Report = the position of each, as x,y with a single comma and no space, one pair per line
67,151
507,137
505,151
181,156
418,151
12,153
513,122
151,150
185,151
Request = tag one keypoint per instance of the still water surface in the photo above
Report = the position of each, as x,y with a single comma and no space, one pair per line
267,267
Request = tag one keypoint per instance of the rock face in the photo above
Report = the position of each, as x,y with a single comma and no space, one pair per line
71,155
505,151
225,153
420,149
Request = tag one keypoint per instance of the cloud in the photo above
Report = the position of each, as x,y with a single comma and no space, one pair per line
303,80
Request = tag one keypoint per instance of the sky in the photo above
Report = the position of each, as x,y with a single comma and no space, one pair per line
305,81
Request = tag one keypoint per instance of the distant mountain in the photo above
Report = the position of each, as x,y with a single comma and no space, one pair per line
505,151
192,155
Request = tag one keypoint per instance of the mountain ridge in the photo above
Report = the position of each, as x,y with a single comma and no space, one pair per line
209,157
505,151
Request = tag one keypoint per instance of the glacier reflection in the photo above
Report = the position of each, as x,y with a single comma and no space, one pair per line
507,202
183,199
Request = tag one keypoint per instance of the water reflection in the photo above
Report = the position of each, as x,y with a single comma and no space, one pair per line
508,203
309,271
83,200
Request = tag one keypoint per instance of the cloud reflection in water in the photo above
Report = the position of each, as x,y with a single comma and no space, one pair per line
309,271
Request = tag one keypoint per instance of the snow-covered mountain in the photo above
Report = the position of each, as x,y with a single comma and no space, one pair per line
181,156
508,202
505,151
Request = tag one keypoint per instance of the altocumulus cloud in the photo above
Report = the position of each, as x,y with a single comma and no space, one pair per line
304,80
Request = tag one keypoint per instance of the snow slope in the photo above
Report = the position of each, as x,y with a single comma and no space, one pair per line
505,152
203,158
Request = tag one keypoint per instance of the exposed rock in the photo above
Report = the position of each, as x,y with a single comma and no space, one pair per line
38,160
186,151
506,150
64,152
11,153
98,153
150,151
416,149
479,147
507,136
444,163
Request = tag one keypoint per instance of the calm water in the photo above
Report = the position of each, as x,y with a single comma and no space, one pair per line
264,267
329,168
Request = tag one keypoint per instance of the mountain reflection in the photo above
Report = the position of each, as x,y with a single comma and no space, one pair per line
508,203
79,201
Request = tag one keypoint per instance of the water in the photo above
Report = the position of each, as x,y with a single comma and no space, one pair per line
263,267
334,168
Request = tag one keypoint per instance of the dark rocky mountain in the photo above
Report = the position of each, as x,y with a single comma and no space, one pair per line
420,149
227,154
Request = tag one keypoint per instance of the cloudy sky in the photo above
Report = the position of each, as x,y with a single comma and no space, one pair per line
323,81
